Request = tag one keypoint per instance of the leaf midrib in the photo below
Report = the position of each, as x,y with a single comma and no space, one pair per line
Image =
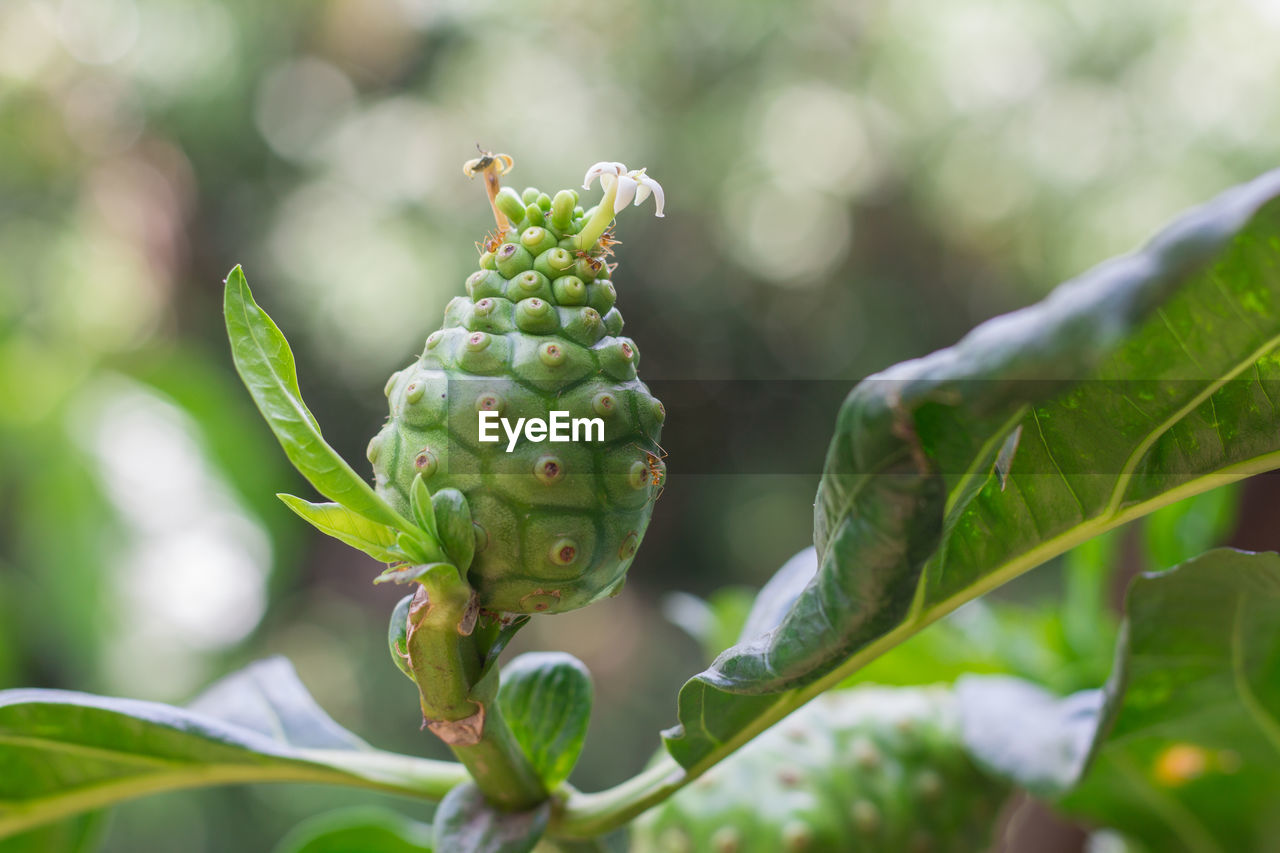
1140,451
89,751
22,816
1258,713
1179,818
291,396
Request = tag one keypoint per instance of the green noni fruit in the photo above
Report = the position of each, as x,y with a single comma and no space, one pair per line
538,331
871,770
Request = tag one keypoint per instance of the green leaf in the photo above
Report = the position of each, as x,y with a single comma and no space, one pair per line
1182,750
398,636
465,821
420,504
65,753
453,527
80,834
545,698
265,363
360,829
376,540
1145,381
416,547
416,572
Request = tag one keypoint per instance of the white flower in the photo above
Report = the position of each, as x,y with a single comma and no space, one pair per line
601,170
632,186
646,186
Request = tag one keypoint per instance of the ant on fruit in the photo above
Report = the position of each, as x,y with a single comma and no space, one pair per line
607,241
592,261
492,241
596,263
656,470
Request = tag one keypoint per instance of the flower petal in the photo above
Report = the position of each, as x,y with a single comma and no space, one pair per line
604,167
647,185
626,192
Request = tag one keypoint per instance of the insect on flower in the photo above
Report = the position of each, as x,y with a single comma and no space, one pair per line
492,241
492,166
487,161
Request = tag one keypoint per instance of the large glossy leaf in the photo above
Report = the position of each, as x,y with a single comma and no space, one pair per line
265,363
1183,750
360,829
545,698
64,753
1146,380
1064,637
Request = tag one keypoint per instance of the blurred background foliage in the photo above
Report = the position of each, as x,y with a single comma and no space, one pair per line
849,184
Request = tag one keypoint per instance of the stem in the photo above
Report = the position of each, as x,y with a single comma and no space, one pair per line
491,186
599,220
499,767
591,815
458,698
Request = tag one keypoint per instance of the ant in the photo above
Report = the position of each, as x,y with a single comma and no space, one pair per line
657,470
492,241
597,263
607,241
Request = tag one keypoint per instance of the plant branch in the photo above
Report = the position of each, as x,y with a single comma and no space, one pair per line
458,696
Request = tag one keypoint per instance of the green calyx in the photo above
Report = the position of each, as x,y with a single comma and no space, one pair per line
555,524
870,770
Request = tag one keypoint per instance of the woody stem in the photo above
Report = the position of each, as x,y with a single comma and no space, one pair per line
459,700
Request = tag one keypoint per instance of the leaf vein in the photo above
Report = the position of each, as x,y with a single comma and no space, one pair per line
1049,452
1135,458
1267,724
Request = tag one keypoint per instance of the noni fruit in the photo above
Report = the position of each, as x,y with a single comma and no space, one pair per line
869,770
557,523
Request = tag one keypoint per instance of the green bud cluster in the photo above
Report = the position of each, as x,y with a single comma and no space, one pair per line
556,524
870,770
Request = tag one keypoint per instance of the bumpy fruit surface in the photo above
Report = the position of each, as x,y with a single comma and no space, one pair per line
556,524
871,770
